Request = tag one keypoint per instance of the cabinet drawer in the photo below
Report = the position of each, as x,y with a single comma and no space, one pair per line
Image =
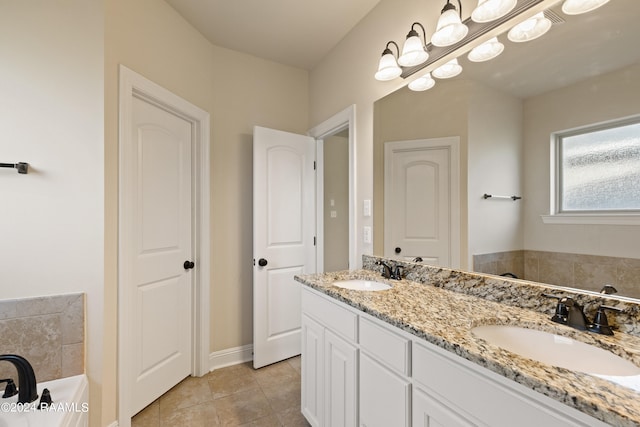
388,347
332,316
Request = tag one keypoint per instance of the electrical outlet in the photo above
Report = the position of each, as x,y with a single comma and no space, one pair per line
366,234
366,208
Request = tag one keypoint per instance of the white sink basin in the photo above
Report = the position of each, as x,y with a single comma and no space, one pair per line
362,285
556,350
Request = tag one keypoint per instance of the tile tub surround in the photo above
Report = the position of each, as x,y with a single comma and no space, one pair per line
589,272
445,312
47,331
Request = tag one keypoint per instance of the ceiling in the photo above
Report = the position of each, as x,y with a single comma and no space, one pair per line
581,47
291,32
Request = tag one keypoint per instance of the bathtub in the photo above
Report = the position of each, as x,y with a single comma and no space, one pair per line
70,406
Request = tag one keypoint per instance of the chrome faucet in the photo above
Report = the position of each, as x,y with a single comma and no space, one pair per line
27,388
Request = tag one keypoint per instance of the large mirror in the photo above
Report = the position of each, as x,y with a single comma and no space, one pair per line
502,115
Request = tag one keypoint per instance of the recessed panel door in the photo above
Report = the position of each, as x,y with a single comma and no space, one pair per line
283,246
161,269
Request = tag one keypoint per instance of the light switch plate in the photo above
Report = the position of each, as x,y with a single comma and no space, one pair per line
366,234
366,208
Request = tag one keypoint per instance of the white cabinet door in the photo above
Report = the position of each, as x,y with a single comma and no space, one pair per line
384,396
312,372
340,395
428,412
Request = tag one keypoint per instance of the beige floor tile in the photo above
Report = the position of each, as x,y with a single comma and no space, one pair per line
201,415
233,396
228,381
148,417
191,391
283,396
293,418
242,408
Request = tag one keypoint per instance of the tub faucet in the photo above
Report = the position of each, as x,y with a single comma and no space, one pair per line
27,389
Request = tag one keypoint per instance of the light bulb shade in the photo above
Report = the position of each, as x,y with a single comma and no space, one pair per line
413,52
448,70
486,51
450,29
530,29
388,68
576,7
422,83
490,10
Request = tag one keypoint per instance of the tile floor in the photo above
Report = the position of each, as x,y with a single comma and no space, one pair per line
233,396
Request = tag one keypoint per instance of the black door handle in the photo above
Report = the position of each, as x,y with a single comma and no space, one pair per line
188,265
398,250
262,262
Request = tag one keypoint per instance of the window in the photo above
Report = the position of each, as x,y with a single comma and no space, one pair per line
598,169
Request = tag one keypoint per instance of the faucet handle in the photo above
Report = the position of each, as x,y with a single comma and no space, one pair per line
600,323
562,312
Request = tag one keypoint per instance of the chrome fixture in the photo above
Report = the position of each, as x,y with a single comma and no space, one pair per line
27,389
608,290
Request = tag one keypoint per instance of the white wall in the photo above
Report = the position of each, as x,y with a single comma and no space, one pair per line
495,167
345,77
51,116
607,97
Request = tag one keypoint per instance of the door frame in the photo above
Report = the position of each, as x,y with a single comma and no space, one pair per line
133,85
345,119
452,144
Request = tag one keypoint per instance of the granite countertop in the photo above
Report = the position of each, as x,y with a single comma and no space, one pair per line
445,318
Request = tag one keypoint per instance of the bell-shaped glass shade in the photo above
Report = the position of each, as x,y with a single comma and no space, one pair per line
422,83
530,29
450,29
413,52
490,10
448,70
486,51
388,68
576,7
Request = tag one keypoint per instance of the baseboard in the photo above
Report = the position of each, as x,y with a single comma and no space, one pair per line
230,356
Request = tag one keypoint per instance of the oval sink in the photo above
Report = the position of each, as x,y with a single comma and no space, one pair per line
556,350
362,285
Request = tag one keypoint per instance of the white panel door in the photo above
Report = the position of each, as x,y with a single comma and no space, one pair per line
161,284
283,239
428,412
418,201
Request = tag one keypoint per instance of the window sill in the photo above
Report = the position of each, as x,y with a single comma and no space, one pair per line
592,219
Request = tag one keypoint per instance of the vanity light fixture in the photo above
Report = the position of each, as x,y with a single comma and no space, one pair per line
422,83
576,7
450,29
414,50
530,29
486,51
490,10
448,70
388,68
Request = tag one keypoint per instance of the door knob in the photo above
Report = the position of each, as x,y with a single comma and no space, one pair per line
262,262
188,265
398,250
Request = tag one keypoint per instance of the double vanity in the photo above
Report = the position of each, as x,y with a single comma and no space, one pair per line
444,347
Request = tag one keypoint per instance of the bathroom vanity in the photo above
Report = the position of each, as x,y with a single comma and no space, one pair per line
407,356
